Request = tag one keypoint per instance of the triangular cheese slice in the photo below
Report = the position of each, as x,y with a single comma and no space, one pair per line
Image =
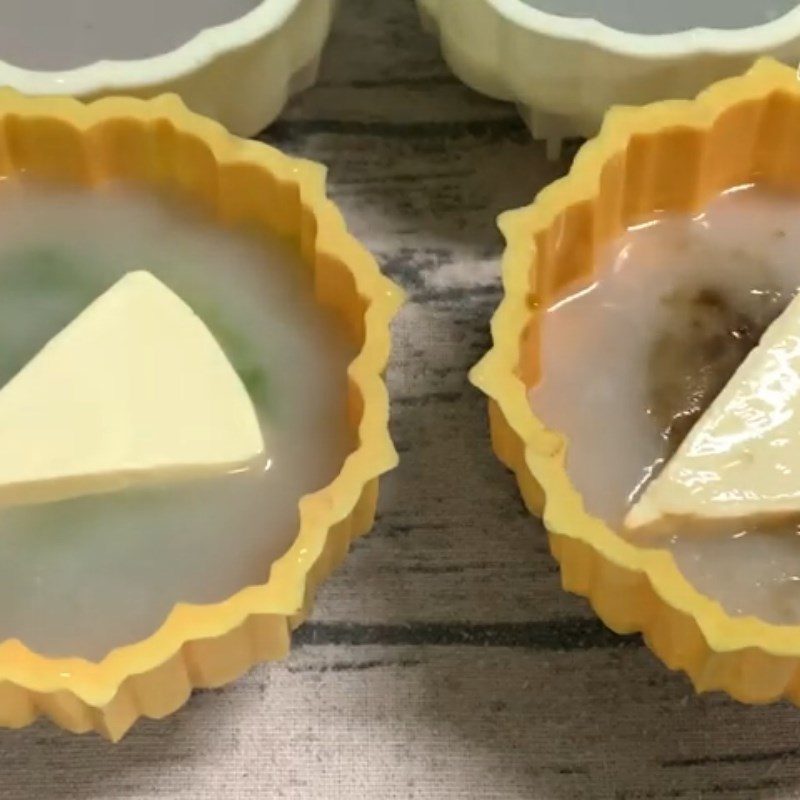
741,461
135,389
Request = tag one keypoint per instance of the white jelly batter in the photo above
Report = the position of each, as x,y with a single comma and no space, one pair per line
83,576
595,348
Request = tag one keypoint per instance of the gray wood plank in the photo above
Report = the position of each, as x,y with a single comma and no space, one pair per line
454,541
424,722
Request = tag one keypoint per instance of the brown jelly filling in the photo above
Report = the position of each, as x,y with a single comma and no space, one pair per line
709,334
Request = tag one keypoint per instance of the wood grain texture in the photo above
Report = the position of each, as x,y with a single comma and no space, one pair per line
443,661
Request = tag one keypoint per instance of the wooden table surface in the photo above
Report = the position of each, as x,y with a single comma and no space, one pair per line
443,660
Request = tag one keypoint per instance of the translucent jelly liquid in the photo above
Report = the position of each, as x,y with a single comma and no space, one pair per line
646,345
83,576
662,16
63,34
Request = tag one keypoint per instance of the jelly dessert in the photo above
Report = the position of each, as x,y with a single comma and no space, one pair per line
98,571
192,413
664,341
644,382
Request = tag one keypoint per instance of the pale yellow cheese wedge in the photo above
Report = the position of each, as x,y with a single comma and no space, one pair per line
134,390
741,461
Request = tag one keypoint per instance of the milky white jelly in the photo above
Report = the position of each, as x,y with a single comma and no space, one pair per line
83,576
597,348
